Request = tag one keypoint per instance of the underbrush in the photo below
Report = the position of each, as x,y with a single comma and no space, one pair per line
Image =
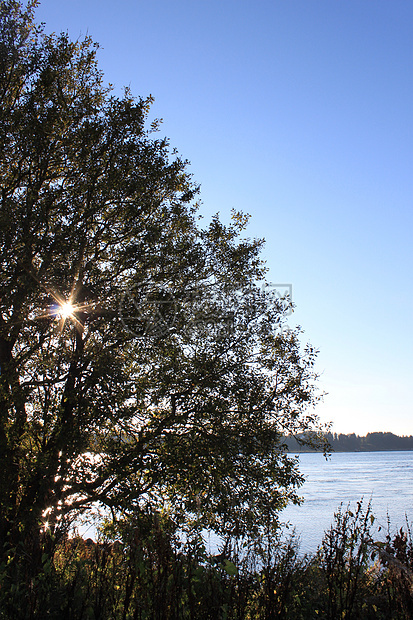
141,569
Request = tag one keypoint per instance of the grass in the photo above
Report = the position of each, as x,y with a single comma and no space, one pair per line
142,570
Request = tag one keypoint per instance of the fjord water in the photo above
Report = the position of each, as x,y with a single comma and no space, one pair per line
385,478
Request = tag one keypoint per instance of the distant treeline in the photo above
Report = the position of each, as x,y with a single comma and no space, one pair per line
372,442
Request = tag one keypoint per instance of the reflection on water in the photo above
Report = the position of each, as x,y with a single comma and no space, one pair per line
384,477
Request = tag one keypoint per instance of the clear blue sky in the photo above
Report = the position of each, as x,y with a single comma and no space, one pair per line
299,112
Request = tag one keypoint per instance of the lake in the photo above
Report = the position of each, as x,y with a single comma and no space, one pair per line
384,477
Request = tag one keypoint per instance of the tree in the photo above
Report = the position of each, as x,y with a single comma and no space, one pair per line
142,362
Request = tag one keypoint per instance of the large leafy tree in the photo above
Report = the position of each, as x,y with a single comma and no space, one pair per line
142,363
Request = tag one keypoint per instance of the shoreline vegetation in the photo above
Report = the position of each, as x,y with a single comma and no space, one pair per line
143,568
339,442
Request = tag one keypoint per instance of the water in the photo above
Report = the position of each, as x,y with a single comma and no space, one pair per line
384,477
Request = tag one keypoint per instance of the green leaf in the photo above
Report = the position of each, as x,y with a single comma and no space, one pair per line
230,567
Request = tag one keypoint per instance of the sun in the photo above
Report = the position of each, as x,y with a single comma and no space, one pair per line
66,310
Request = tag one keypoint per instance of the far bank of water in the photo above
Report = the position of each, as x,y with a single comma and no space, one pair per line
384,477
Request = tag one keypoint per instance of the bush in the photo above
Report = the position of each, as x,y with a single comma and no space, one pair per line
145,568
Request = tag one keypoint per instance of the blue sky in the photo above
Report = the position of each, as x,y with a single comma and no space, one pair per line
300,113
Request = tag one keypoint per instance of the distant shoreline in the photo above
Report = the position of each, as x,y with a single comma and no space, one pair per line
301,451
372,442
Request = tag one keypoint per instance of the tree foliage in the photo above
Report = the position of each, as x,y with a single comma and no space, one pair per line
168,382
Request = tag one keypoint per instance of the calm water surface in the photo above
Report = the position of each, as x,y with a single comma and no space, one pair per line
384,477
